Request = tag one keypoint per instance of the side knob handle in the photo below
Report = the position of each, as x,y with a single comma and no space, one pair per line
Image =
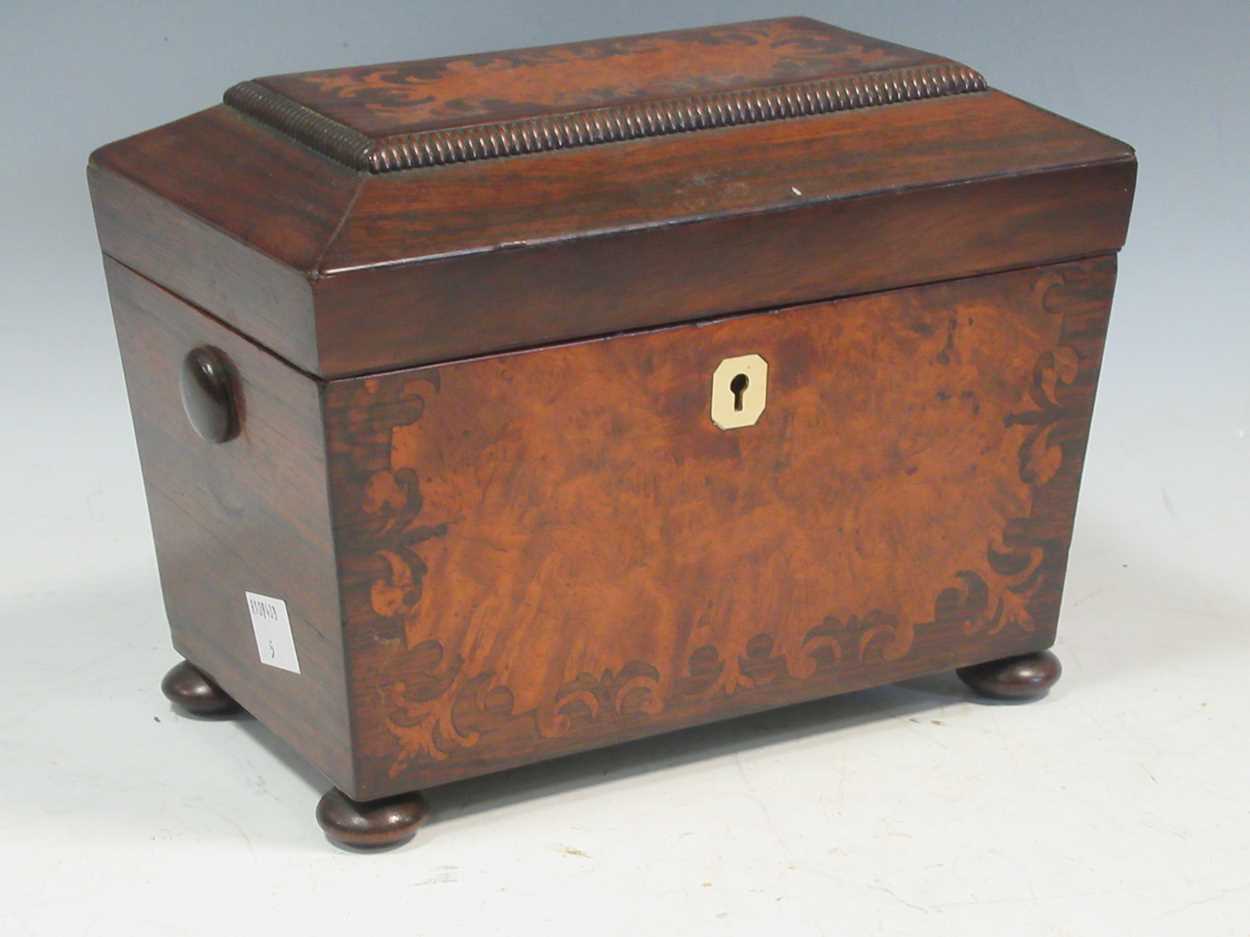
210,394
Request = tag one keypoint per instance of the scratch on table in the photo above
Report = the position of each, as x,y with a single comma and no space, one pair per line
443,875
752,793
1222,893
901,900
1167,504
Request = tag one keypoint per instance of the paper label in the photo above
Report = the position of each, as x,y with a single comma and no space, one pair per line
272,626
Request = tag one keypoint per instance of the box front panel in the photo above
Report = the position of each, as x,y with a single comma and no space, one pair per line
560,549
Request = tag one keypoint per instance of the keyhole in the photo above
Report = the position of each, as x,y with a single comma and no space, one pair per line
739,388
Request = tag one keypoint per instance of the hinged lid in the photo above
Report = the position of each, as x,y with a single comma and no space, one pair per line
361,219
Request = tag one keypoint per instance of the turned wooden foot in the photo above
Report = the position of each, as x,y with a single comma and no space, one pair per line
1026,677
371,824
191,689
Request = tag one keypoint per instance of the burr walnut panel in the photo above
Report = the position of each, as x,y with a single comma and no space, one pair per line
549,551
398,97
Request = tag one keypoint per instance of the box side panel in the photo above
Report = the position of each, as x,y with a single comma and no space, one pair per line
555,550
247,515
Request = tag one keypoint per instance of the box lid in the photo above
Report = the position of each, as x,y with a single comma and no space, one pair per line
360,219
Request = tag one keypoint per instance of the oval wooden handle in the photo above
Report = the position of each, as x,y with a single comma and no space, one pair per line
209,395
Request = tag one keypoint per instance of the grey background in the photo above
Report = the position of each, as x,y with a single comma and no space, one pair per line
1155,616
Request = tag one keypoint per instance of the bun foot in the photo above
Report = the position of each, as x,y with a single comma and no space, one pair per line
1026,677
374,824
191,689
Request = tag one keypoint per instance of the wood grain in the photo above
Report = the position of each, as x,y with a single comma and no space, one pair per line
458,91
545,552
250,514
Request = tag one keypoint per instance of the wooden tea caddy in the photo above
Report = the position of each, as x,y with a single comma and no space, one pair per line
502,406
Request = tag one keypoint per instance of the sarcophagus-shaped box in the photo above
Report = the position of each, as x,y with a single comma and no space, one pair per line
497,407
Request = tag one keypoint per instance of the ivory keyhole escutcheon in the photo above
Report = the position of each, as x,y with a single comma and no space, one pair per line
739,387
